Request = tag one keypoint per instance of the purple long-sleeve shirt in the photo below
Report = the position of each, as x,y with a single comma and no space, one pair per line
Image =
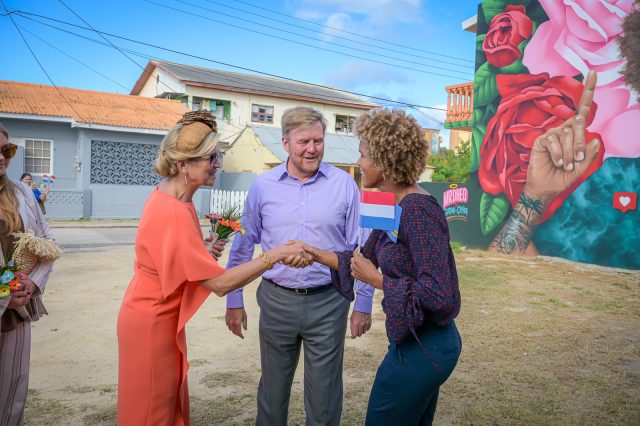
323,212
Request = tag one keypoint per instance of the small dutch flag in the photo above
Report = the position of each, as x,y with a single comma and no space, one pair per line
378,210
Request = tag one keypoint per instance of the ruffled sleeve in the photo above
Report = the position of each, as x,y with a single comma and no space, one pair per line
177,248
341,278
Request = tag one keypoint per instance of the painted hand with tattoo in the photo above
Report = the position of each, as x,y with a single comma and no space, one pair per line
561,155
558,158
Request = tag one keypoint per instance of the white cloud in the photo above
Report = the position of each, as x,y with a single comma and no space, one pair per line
379,12
354,74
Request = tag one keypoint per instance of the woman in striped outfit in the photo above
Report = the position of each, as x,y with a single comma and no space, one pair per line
18,212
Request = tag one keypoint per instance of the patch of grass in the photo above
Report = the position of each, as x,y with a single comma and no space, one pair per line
557,303
457,247
104,417
602,306
43,411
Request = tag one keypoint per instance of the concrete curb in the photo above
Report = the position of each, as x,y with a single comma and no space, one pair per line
102,224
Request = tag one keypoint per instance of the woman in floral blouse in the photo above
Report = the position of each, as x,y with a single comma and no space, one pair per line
418,274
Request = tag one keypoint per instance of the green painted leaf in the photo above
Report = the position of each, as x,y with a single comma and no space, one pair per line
491,8
477,136
493,210
479,41
537,14
486,88
489,113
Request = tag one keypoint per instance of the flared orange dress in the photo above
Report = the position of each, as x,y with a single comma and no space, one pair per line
165,292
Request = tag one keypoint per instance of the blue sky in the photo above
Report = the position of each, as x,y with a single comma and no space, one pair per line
426,35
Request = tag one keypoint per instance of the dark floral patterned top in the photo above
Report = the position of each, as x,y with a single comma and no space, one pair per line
420,278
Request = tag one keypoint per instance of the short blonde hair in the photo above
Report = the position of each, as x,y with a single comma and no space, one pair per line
168,154
396,144
297,117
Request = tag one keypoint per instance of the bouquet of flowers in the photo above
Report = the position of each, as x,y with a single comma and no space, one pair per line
10,276
225,225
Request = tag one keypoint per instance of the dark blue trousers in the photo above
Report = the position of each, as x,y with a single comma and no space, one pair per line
405,391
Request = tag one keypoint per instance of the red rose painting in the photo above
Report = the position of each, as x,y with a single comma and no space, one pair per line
506,31
530,105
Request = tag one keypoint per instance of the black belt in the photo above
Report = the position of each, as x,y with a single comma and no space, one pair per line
303,291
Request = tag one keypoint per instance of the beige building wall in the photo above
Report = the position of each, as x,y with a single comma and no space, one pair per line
241,104
248,155
455,136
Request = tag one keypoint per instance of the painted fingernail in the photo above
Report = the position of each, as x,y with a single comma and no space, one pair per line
580,156
579,118
567,130
560,162
569,166
551,138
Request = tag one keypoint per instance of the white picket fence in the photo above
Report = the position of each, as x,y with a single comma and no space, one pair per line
221,200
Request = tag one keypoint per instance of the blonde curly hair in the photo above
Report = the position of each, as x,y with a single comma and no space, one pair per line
396,144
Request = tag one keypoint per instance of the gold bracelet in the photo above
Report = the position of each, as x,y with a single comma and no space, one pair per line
267,260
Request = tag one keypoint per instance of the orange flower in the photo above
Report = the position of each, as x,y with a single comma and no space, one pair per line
15,285
235,225
224,222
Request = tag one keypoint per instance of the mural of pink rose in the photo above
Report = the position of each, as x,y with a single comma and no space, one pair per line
579,36
618,121
506,31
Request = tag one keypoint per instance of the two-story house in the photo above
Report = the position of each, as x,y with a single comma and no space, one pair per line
249,108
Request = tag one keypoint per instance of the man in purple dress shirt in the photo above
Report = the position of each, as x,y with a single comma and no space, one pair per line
312,201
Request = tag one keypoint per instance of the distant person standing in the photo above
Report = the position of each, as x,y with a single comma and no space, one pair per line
41,196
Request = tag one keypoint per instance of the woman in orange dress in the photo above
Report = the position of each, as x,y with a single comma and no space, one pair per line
173,275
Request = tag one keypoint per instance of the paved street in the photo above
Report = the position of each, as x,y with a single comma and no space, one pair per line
90,239
95,238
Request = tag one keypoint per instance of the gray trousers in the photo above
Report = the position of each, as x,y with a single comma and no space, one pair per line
15,351
287,321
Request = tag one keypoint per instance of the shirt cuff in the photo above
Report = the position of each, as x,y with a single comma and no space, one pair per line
235,299
364,297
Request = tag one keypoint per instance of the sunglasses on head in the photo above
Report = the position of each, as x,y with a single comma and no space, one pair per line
9,150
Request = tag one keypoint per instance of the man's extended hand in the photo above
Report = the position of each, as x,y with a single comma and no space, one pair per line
360,323
236,319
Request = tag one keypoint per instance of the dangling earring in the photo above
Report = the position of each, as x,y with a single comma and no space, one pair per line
383,176
186,176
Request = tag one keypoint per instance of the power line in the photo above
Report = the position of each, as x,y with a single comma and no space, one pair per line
315,39
460,78
39,63
337,36
348,32
108,41
74,59
206,72
24,15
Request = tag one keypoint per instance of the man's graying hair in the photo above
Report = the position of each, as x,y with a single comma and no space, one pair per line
297,117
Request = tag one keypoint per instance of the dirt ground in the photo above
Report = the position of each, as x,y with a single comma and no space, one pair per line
544,342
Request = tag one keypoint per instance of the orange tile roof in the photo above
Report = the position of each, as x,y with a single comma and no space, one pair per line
90,107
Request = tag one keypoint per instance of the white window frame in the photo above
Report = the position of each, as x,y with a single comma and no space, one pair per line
350,121
22,142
